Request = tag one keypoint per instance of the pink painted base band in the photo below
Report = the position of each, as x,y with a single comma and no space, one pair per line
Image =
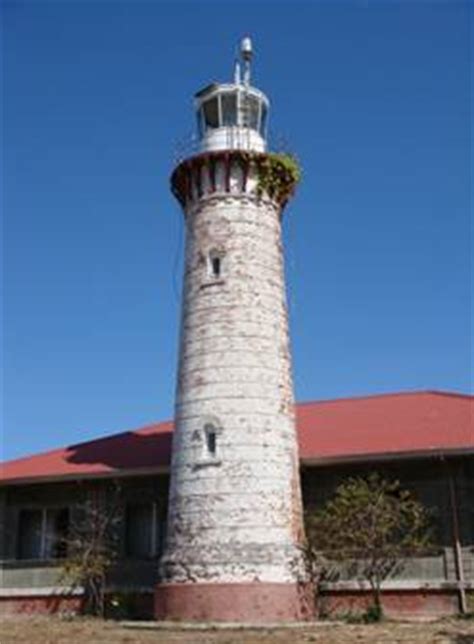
256,602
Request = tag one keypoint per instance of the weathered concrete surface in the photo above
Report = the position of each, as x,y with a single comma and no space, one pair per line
235,515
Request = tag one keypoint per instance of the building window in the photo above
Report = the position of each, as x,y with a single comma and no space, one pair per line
144,531
30,523
42,533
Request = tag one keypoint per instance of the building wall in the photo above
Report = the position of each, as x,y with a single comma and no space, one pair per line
426,584
130,573
428,479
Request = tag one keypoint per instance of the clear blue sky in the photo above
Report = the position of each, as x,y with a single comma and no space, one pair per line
374,99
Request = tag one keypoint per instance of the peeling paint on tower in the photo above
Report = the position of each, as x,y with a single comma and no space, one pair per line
235,511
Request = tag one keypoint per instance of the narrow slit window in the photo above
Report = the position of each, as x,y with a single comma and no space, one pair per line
211,440
216,266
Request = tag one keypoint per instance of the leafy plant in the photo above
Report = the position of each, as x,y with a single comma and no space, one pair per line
372,524
92,546
278,175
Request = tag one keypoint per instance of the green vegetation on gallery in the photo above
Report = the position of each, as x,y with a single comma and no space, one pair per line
278,175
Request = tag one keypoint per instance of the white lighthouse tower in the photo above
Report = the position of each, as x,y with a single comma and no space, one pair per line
235,515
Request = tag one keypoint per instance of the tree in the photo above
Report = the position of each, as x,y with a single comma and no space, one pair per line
372,523
92,545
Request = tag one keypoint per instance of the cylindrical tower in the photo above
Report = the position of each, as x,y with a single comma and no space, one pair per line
235,515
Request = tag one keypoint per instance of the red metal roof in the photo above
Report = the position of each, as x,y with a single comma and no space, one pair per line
382,426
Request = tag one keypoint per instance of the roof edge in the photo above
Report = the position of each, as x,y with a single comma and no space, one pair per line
396,394
382,457
378,457
86,476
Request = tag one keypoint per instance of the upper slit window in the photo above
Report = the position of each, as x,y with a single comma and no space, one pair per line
214,264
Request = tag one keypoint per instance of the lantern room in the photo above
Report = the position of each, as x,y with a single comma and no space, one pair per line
233,116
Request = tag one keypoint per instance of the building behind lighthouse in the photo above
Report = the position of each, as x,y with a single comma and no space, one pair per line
234,514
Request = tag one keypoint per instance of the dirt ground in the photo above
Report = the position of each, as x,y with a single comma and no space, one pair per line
53,630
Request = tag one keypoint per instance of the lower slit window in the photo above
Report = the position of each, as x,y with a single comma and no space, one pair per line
211,440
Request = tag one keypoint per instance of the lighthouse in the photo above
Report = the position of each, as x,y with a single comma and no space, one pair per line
235,528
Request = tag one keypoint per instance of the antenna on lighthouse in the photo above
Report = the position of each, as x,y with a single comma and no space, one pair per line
246,52
237,76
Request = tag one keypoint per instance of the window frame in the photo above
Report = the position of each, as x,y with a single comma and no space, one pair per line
233,94
211,276
157,535
206,103
204,455
44,545
245,99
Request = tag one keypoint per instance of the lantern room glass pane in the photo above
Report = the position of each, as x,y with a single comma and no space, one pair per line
211,113
229,109
263,122
253,112
199,122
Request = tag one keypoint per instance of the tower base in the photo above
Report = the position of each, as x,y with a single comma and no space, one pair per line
256,602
